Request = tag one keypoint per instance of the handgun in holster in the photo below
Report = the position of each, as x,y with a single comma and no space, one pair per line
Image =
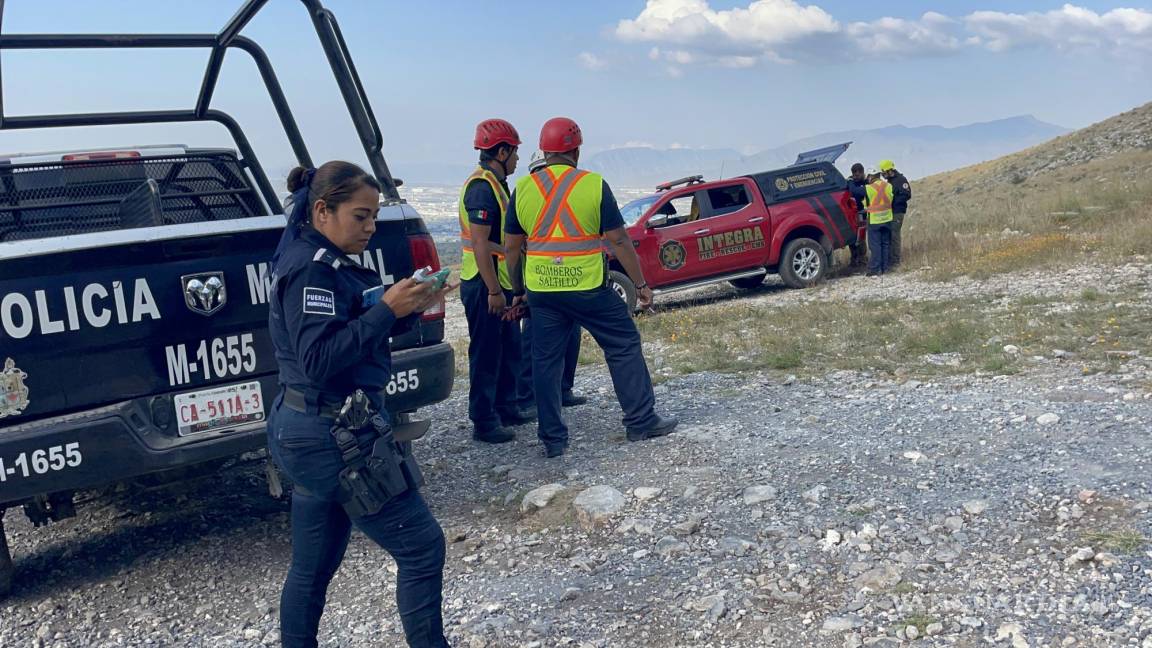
370,480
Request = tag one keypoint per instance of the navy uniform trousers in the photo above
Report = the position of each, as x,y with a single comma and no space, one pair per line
601,312
879,248
303,447
524,388
493,358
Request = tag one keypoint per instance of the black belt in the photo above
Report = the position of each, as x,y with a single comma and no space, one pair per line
294,399
403,429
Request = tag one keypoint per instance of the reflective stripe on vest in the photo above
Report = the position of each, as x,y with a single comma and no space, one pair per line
559,207
879,202
468,267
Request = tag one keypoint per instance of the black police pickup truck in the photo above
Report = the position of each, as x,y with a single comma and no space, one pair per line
134,286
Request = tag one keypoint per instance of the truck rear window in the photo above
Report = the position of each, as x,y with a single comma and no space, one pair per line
47,199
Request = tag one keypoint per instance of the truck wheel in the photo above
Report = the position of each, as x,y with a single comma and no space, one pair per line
624,288
803,263
748,283
6,567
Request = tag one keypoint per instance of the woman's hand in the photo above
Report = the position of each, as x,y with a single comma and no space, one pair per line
408,296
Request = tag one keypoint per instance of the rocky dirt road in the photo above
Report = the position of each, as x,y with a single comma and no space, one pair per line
843,509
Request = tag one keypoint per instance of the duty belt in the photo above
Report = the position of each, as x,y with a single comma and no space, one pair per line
294,399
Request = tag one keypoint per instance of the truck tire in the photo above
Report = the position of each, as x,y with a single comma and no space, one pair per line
803,263
624,288
6,567
748,283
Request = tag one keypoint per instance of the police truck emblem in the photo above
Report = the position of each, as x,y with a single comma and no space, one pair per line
204,293
13,391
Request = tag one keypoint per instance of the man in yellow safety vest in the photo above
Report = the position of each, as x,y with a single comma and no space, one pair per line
879,209
494,346
564,215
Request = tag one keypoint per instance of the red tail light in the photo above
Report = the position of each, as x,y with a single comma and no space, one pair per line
424,253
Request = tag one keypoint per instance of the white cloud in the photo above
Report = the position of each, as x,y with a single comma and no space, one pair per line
933,33
763,24
1069,27
591,61
691,32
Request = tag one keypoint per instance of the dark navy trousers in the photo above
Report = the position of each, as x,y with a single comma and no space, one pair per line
879,248
555,316
524,388
494,359
305,450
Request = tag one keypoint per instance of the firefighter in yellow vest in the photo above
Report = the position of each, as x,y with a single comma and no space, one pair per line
879,209
564,216
494,345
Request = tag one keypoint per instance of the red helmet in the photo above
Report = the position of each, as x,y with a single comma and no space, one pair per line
560,134
491,132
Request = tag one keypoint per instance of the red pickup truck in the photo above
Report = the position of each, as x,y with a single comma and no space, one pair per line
692,233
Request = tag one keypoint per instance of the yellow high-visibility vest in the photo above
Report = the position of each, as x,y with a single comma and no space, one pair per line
879,202
468,267
559,208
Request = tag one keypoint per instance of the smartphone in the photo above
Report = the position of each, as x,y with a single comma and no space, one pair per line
425,274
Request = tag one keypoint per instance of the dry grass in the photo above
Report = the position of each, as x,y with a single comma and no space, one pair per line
894,336
973,222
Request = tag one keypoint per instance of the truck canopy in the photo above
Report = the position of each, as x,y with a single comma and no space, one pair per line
799,181
82,193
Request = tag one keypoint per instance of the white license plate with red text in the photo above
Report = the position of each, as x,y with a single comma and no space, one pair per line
219,408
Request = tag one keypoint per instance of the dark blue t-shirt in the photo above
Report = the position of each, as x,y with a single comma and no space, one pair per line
610,216
482,206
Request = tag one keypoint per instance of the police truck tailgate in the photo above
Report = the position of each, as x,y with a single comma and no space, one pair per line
132,351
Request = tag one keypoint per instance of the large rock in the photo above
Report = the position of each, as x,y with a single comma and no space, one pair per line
842,623
756,494
538,498
598,504
880,578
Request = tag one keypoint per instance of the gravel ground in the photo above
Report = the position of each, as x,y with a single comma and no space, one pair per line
839,510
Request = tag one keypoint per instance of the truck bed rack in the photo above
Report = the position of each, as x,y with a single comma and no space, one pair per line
218,44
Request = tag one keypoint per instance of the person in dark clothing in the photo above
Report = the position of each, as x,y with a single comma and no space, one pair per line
494,344
329,343
561,217
568,395
901,194
857,184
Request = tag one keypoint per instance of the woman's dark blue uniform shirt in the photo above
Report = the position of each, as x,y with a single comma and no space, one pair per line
327,342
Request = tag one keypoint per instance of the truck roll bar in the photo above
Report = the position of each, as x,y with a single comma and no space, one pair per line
218,44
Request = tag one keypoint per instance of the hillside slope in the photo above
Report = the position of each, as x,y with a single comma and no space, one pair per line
1082,193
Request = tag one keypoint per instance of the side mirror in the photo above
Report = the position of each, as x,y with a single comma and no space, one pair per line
657,220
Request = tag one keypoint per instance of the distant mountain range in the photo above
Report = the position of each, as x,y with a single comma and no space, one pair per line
918,152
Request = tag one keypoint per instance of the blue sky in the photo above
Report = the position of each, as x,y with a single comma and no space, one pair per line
746,74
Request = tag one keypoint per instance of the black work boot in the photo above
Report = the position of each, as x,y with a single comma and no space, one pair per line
518,416
495,435
662,427
571,399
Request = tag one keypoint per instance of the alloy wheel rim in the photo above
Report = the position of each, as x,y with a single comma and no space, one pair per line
806,264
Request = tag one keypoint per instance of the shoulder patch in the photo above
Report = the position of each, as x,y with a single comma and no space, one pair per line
319,301
328,257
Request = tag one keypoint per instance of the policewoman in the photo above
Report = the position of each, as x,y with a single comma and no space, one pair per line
562,216
329,344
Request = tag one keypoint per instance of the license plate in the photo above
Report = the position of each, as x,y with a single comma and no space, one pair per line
219,408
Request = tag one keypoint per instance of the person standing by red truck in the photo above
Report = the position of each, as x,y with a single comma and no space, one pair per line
494,345
563,215
901,194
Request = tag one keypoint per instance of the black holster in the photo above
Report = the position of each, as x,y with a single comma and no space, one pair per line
370,480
